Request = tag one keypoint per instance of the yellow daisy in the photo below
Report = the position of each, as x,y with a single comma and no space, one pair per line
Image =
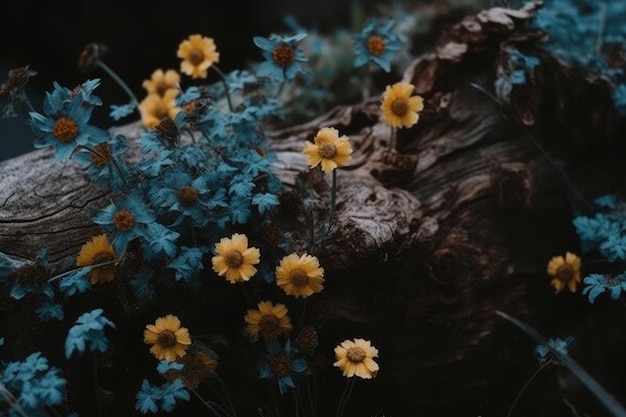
355,357
399,108
96,251
234,259
168,339
300,276
329,150
160,81
268,322
154,108
565,271
198,54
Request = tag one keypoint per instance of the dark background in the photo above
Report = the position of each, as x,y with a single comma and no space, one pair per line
50,36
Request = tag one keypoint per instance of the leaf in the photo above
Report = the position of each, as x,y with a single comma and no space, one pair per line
265,201
121,111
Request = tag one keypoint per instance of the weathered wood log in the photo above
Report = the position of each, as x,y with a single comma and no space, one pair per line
428,240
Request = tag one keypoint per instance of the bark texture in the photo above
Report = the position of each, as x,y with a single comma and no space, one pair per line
429,239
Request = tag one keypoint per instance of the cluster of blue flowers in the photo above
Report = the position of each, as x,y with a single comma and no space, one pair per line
195,177
602,231
583,33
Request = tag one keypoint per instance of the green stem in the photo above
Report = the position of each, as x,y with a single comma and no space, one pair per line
96,385
347,391
81,267
394,138
12,401
223,77
208,404
333,198
119,81
521,391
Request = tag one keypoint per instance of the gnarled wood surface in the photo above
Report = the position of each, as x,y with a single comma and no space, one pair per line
427,241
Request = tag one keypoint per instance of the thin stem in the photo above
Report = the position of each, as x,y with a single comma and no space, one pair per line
208,404
535,142
394,138
119,81
96,385
55,277
521,391
12,401
223,77
333,197
347,391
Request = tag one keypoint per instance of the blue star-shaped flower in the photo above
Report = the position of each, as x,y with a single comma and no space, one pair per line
284,58
64,124
126,220
596,284
282,364
377,43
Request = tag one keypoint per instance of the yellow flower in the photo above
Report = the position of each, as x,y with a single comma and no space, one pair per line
198,54
234,259
168,339
355,357
154,108
269,321
300,276
565,271
161,81
399,108
329,150
96,251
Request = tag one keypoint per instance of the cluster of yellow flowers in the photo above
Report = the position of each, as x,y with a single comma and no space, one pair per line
297,275
198,53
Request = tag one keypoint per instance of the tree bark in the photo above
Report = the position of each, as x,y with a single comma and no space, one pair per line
429,239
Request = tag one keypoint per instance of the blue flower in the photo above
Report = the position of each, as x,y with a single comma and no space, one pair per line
284,58
377,43
282,365
64,125
125,220
619,99
103,162
596,284
560,345
33,277
88,330
35,384
184,196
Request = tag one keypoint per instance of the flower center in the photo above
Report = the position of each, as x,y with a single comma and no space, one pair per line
233,259
283,55
281,365
65,129
356,354
399,107
376,45
298,278
101,155
269,325
161,88
102,257
327,150
187,195
196,56
166,339
123,220
565,273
